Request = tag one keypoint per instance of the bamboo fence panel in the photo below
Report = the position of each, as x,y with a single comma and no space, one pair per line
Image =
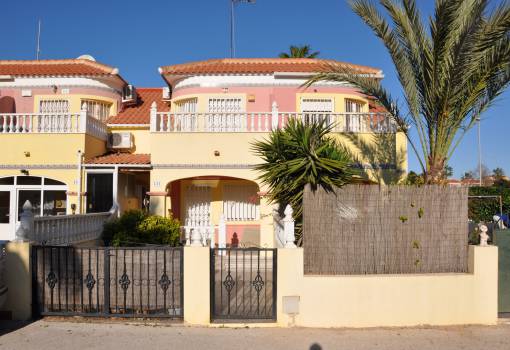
362,229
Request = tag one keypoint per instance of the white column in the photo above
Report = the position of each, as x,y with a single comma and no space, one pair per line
274,116
154,117
116,187
78,192
83,118
288,226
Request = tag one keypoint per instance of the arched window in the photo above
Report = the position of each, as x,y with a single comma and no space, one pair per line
47,196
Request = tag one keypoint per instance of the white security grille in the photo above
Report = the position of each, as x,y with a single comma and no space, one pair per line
54,106
241,202
317,105
225,105
186,106
98,109
316,109
198,205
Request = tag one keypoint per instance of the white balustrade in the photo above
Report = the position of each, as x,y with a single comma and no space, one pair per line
61,229
254,122
52,123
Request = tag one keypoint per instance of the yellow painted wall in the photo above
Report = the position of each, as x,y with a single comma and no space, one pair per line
18,278
390,300
141,137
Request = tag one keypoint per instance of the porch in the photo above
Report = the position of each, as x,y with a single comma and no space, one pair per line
226,209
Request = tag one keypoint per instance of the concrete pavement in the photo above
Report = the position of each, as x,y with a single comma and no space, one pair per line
56,335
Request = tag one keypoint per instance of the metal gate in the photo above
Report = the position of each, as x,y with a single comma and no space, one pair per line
105,281
243,284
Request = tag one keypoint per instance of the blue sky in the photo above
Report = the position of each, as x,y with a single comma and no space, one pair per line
139,36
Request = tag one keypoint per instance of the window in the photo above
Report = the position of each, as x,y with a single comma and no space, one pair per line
99,192
47,196
28,180
316,109
241,202
98,109
186,106
54,106
225,114
7,180
225,105
354,122
353,106
54,203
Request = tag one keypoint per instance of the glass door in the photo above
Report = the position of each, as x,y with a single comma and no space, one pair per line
6,215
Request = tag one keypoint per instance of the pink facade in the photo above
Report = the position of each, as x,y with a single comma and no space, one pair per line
285,97
26,104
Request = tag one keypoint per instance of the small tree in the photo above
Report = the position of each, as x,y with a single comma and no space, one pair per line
499,173
299,52
301,154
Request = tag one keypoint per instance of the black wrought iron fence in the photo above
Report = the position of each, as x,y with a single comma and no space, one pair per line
243,284
105,281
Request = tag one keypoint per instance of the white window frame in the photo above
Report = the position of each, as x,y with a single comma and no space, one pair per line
100,109
15,188
186,105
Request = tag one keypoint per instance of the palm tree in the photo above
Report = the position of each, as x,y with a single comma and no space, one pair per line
299,52
498,173
450,73
301,154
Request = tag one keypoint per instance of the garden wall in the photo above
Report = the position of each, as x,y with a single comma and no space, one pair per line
360,229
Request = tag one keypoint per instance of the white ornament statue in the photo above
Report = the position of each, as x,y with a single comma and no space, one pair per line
483,235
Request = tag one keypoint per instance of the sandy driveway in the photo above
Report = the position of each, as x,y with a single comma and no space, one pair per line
57,335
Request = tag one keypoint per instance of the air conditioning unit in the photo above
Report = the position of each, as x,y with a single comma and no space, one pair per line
120,141
129,94
166,93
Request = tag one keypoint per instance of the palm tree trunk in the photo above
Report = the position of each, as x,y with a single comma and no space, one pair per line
435,173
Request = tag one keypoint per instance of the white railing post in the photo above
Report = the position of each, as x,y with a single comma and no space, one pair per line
83,118
26,227
274,116
154,116
288,227
222,232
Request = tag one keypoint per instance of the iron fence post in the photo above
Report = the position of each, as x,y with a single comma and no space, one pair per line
106,266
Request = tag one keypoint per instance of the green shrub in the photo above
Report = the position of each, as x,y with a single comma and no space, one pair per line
135,227
482,209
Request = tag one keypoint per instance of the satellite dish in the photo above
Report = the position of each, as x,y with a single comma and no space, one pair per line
87,57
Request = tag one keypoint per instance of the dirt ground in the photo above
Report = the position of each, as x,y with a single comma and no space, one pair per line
57,334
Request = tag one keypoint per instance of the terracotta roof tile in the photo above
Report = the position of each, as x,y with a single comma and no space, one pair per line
121,158
66,67
259,66
140,112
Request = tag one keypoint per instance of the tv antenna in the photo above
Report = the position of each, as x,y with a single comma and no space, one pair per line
38,51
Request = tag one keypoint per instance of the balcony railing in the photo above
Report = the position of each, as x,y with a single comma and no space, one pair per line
52,123
265,122
254,122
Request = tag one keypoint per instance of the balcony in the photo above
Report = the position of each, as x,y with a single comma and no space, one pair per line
261,122
52,123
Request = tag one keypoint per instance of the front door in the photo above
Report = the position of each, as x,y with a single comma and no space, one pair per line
6,215
99,193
